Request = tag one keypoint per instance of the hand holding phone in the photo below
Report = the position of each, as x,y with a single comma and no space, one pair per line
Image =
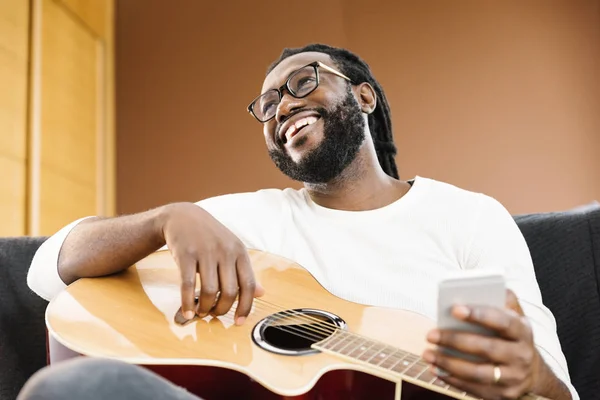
469,288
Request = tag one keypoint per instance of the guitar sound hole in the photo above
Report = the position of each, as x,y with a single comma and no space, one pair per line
293,332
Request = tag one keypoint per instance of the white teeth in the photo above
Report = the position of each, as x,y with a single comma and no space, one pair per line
290,132
299,124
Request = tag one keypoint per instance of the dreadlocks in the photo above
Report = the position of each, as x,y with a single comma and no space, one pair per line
380,122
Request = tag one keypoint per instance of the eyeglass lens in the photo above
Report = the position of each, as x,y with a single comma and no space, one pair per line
300,84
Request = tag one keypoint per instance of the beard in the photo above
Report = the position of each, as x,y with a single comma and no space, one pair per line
343,136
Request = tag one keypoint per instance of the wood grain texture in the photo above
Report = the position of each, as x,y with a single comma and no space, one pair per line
14,37
93,13
70,95
63,201
69,124
107,205
12,197
130,316
13,105
14,25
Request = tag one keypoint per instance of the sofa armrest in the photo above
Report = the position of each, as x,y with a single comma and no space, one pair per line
22,328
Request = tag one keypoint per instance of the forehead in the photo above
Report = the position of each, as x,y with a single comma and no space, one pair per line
280,73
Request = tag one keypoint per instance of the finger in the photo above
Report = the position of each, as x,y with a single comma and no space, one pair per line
506,323
489,348
209,286
228,286
512,302
247,286
188,269
459,368
259,290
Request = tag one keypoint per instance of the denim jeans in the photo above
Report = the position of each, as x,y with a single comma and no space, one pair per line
94,379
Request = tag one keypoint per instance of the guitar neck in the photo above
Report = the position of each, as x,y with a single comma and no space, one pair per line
391,362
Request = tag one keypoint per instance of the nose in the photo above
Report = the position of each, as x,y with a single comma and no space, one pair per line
287,105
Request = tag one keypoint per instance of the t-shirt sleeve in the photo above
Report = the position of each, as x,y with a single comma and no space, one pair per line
253,217
42,277
497,243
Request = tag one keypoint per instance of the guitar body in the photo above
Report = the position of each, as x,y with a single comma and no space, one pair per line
131,317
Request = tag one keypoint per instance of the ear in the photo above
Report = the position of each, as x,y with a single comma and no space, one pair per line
366,97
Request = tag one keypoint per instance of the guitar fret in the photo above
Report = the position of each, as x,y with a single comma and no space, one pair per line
415,369
343,343
378,353
334,340
424,369
359,350
385,357
427,376
401,359
341,349
406,363
389,361
372,351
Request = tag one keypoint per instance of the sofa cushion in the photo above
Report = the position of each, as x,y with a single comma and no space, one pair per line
22,328
565,247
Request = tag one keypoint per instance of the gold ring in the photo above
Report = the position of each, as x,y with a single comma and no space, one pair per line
497,374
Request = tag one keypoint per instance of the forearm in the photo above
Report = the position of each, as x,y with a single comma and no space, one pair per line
102,246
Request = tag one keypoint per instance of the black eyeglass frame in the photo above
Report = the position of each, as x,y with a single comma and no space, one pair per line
285,86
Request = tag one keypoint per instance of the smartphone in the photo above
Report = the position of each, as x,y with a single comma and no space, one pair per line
486,288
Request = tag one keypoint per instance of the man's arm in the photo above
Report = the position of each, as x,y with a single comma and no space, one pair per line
102,246
498,243
94,246
197,241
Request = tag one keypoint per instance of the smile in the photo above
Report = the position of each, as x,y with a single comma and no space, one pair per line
298,125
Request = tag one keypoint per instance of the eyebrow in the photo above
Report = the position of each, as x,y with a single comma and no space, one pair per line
287,76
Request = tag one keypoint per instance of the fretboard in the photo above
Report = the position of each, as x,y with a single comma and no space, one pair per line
391,362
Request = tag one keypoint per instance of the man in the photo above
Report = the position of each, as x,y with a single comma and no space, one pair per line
327,124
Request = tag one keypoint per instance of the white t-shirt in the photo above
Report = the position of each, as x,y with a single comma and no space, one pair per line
390,257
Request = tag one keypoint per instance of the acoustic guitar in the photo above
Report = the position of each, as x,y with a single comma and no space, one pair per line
299,341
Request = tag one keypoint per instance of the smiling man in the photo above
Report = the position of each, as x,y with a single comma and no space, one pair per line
363,233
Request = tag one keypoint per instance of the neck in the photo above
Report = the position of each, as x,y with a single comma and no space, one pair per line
362,186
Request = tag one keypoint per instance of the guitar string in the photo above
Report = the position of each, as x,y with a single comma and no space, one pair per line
307,318
314,336
322,327
397,359
317,334
270,308
391,355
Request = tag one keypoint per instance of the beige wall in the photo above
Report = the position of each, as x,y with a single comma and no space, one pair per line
501,97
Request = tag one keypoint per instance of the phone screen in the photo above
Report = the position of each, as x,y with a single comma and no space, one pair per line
488,290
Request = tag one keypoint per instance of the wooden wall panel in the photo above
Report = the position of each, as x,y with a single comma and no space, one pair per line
12,197
63,200
14,25
69,96
13,103
14,31
94,14
69,114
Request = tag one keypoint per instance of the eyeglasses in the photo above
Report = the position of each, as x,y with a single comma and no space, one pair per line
301,83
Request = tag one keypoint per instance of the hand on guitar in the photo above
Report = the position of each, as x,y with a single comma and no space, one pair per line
511,365
201,244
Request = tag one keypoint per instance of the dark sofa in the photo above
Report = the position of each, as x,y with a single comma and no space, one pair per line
565,247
